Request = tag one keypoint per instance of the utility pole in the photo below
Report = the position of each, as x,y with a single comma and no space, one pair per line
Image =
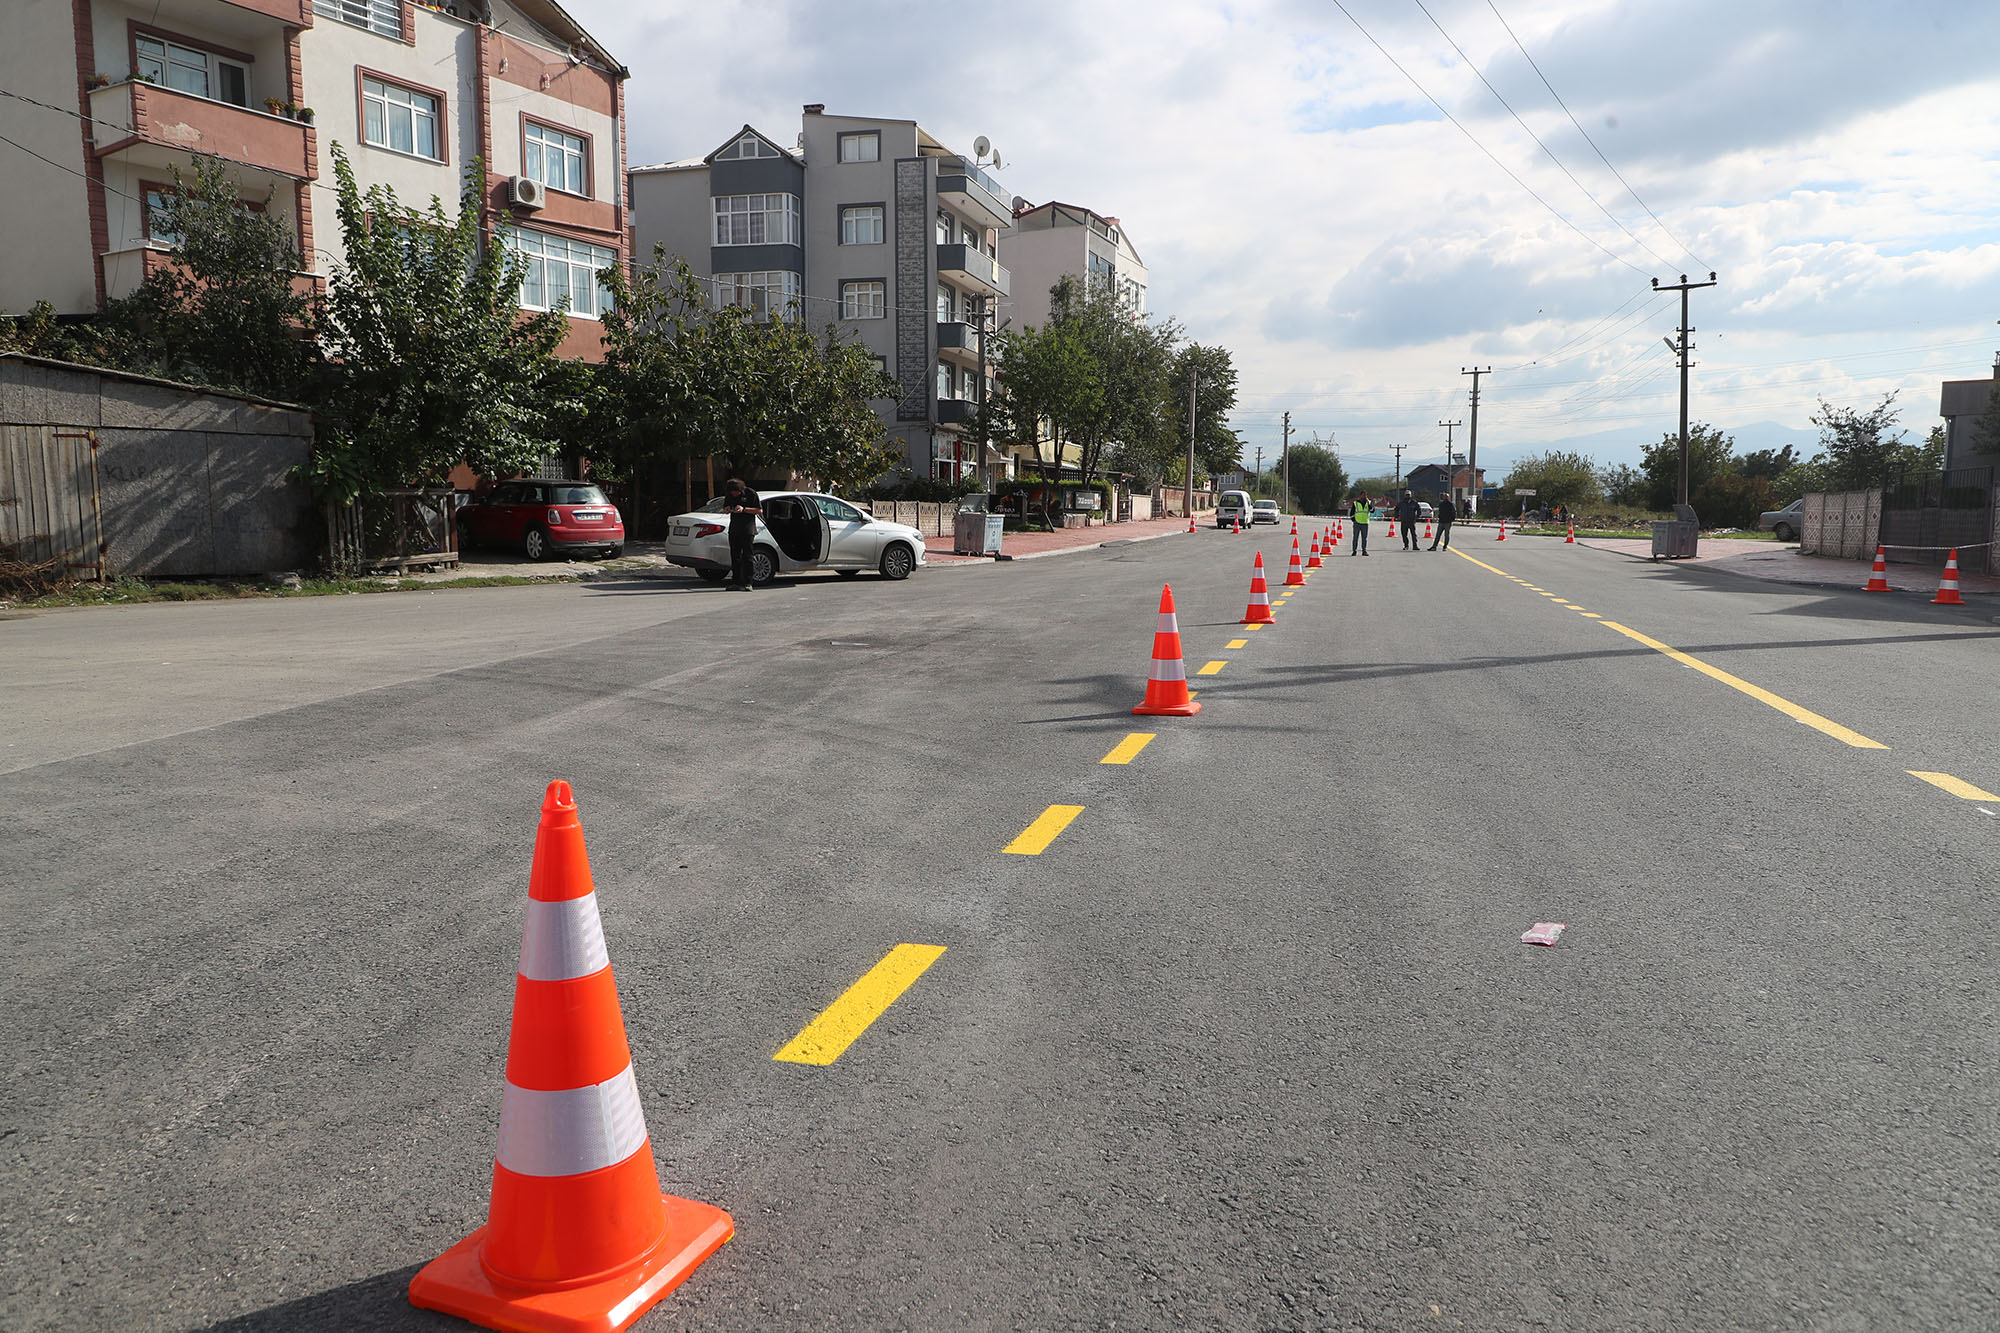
980,390
1258,484
1399,465
1194,385
1683,351
1450,468
1472,444
1287,461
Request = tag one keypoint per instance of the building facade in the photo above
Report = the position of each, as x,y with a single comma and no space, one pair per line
1964,404
126,92
1048,242
870,225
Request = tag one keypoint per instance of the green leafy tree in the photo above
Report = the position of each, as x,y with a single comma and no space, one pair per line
1767,463
1319,482
1860,449
42,333
1132,357
1623,484
1049,382
1797,480
1985,438
1710,454
1557,478
1212,374
435,362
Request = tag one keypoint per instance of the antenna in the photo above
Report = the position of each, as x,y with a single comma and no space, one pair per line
1021,206
981,146
997,163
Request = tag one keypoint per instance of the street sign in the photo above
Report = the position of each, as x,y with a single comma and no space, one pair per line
1524,490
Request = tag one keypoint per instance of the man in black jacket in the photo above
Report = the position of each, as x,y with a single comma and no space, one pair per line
743,505
1446,515
1406,518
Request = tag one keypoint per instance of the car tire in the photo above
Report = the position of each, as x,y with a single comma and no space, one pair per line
897,561
711,575
615,552
1784,532
763,566
466,541
535,544
847,573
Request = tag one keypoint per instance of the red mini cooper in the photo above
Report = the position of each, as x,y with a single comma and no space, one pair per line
542,519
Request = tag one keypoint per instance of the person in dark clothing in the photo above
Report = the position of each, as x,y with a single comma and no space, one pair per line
1406,518
743,505
1447,514
1359,512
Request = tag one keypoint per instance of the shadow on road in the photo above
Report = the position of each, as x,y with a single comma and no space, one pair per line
379,1302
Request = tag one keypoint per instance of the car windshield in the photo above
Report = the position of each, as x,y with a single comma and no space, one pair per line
1267,504
715,506
576,495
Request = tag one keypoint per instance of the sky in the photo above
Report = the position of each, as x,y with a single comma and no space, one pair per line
1339,198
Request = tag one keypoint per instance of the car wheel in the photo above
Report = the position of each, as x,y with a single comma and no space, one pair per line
1785,532
466,541
712,575
763,566
847,573
897,561
535,544
615,552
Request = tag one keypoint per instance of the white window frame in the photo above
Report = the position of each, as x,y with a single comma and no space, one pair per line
783,291
853,215
740,217
557,159
382,17
858,139
168,56
393,101
946,302
864,298
749,146
944,381
548,254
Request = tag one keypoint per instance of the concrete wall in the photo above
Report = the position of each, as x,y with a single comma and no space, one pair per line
189,483
44,209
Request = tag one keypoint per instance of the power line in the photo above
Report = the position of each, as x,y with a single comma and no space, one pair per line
1592,142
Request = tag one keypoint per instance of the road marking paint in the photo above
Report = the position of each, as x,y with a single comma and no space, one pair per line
1984,811
821,1041
1251,629
1128,749
1211,668
1591,615
1757,692
1956,786
1038,835
1237,643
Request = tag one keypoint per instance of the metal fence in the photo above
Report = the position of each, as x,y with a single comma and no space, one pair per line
1926,515
1840,523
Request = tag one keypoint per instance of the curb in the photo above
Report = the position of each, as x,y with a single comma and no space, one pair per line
972,562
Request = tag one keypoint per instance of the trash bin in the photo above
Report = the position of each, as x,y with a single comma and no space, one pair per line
1674,538
976,533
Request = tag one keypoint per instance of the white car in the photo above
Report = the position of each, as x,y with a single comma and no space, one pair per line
799,531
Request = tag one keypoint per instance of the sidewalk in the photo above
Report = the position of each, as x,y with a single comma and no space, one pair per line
1783,564
1033,545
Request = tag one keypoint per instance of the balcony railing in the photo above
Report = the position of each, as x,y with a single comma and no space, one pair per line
958,336
150,121
955,411
971,265
966,186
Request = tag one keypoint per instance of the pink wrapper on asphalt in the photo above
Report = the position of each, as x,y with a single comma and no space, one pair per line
1544,933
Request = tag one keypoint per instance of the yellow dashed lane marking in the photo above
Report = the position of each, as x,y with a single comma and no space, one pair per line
1211,668
1237,643
1956,786
1128,749
823,1039
1252,629
1038,835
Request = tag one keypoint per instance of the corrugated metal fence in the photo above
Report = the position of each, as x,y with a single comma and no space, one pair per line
50,509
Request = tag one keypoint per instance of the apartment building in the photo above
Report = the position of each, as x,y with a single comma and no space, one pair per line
871,225
124,91
1047,242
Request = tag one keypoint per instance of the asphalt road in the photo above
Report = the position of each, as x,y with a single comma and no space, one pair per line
1252,1044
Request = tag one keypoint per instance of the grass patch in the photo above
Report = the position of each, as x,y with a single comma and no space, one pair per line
135,591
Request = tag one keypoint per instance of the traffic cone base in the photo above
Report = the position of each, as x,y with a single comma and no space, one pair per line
457,1282
1878,577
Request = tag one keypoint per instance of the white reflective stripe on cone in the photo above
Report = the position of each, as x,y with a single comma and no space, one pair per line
1169,669
563,940
1167,625
572,1131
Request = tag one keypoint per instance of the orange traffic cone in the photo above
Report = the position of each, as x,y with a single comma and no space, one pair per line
1948,585
1503,531
1339,532
1571,539
1878,578
1236,525
1190,522
1295,575
1259,610
1427,529
1314,563
1166,688
1295,525
577,1235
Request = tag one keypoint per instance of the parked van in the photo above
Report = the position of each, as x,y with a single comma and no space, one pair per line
1233,507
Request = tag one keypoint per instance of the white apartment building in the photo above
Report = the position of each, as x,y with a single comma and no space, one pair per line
1054,240
868,224
124,91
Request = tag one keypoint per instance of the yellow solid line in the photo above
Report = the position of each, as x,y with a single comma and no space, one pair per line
823,1039
1128,749
1211,668
1956,786
1757,692
1043,831
1237,643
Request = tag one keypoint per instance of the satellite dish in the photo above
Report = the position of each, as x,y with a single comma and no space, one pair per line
981,146
997,163
1020,204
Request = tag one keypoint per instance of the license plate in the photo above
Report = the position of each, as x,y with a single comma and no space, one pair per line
680,530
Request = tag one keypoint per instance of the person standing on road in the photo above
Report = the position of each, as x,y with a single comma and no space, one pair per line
1359,512
1447,513
743,505
1406,517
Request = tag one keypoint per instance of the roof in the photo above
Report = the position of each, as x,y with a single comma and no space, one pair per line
1124,238
685,164
559,23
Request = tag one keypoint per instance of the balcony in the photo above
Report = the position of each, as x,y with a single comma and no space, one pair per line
956,411
958,342
125,269
156,126
974,268
971,191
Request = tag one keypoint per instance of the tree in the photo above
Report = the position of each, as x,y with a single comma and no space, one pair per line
1557,479
1859,449
1049,382
1212,374
1986,427
1132,360
435,363
1623,484
1319,482
1710,453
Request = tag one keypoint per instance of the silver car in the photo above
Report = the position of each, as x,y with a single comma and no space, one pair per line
1783,522
799,531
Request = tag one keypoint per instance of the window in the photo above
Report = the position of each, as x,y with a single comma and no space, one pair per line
861,224
943,381
157,226
189,70
944,227
969,237
757,219
554,158
378,16
837,511
400,119
861,147
768,291
862,300
560,269
944,304
748,146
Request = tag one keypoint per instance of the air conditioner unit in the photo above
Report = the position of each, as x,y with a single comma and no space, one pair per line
526,192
